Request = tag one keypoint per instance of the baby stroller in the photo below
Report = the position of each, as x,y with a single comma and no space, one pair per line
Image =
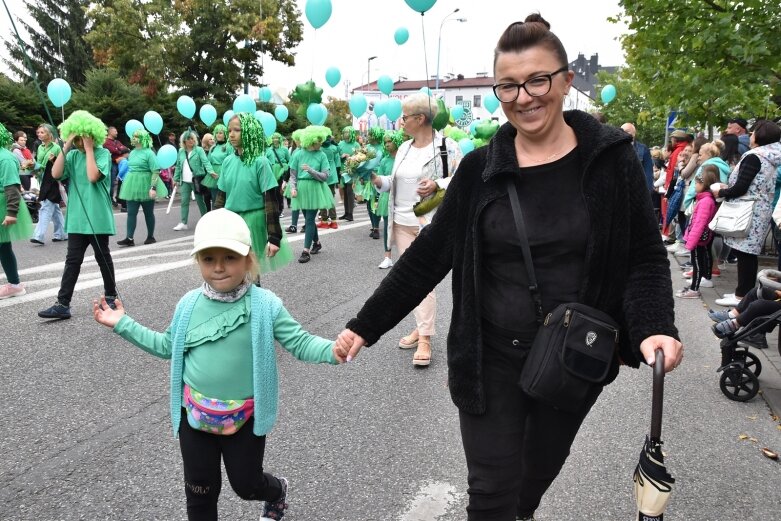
31,201
740,368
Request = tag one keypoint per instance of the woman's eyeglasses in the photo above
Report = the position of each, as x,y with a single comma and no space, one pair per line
407,116
534,87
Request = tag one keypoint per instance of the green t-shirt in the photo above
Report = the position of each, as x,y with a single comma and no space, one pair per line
89,204
142,161
335,161
217,155
244,185
348,148
42,154
281,152
9,169
316,159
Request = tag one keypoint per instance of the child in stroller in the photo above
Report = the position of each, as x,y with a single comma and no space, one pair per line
757,314
31,201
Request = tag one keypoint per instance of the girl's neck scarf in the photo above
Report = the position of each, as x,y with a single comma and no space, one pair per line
229,296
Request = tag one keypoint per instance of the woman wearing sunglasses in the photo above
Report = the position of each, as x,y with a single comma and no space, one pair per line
593,239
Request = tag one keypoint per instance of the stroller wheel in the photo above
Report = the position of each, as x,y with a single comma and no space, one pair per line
752,363
739,384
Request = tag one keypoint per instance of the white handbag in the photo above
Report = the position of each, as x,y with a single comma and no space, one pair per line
733,219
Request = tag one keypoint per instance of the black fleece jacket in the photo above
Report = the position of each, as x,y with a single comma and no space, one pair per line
626,271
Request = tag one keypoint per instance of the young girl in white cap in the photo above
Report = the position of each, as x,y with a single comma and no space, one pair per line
223,367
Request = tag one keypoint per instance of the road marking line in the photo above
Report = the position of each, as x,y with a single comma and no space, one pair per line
432,501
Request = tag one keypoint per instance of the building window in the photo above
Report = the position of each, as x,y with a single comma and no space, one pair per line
478,100
459,99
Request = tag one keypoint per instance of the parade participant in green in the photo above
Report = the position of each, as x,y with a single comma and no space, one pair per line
279,159
247,186
89,221
365,188
293,228
217,155
15,221
192,166
331,150
141,186
392,141
49,195
308,175
347,147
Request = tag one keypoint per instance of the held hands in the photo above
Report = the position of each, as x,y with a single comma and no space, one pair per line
673,351
426,187
348,345
104,314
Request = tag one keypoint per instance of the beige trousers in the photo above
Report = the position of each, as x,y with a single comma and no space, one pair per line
427,309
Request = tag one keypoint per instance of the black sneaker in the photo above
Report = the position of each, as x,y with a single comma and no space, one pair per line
111,301
316,247
150,240
36,241
375,234
57,239
305,257
123,210
276,509
291,229
126,242
56,311
757,341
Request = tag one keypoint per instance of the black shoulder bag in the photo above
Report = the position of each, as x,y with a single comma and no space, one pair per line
198,185
575,344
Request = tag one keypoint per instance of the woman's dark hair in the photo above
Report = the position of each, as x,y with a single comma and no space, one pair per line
18,134
730,153
764,130
697,143
532,32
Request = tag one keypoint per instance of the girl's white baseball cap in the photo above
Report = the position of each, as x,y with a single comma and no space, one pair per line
222,229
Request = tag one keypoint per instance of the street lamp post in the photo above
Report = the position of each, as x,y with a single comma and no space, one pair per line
439,44
368,71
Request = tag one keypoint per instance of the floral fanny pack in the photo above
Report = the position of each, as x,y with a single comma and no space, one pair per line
224,417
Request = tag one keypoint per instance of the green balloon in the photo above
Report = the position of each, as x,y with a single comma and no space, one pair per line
443,116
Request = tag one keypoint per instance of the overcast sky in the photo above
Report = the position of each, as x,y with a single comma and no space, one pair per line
359,29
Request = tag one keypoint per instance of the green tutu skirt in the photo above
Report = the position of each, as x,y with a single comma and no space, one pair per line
380,206
364,190
22,230
256,221
209,182
135,187
312,195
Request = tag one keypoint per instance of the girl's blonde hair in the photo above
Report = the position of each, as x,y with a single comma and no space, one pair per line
254,265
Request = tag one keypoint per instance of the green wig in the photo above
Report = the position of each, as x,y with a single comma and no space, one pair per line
376,133
314,134
6,139
253,139
82,123
296,135
220,128
396,137
350,132
141,137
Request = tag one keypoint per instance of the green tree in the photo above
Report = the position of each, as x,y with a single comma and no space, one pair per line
108,96
57,47
20,107
709,59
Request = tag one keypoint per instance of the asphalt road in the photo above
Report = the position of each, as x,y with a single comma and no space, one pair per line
86,431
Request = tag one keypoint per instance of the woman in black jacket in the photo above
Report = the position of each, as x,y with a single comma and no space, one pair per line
594,239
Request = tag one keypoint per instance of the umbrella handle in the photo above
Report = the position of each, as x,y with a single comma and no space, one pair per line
658,396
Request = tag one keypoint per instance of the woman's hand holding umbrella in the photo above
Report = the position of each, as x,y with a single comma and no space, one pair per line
672,349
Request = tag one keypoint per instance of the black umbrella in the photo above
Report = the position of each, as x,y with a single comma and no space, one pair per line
653,484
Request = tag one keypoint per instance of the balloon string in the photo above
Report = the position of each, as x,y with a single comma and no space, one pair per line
312,72
428,80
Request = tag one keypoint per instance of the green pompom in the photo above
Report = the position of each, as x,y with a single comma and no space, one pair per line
141,137
313,134
6,139
253,139
376,134
82,123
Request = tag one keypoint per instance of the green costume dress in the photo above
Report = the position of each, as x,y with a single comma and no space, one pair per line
363,186
217,156
143,173
312,194
244,187
279,159
9,176
385,169
289,185
335,161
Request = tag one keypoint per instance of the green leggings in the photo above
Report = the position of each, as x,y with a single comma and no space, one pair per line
132,217
185,190
8,261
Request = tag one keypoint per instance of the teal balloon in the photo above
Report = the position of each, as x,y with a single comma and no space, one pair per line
421,6
473,126
358,105
466,145
281,113
318,12
186,106
379,108
166,156
153,122
208,114
385,83
393,109
59,92
131,127
267,121
264,94
608,93
457,112
491,103
425,90
227,117
316,113
332,76
401,35
244,103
